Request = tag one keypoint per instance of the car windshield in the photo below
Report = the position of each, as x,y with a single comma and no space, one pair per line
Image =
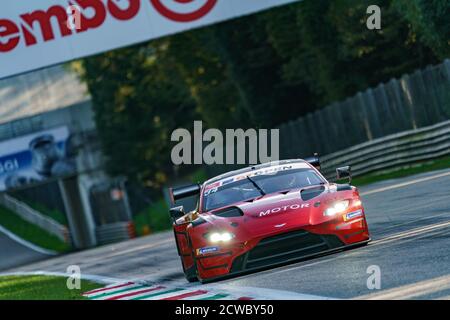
217,196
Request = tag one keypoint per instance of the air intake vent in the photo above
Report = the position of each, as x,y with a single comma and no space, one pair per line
308,194
229,212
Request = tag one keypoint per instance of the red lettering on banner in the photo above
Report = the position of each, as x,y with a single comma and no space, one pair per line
43,18
7,30
97,19
128,13
92,16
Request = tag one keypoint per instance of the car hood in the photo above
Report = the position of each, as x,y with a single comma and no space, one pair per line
279,211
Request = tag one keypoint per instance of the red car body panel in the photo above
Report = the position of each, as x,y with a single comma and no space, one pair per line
269,230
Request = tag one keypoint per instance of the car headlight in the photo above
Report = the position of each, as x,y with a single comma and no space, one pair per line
337,207
220,237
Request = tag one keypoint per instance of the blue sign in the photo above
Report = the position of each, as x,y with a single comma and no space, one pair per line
35,158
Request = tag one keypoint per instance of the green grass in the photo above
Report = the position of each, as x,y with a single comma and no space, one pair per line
41,288
56,215
153,219
421,167
30,232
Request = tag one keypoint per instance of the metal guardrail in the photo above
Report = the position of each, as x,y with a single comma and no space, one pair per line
415,100
29,214
392,151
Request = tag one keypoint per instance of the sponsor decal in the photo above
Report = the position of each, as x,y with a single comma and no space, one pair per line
213,185
238,178
271,171
353,214
265,171
283,209
274,170
207,250
227,181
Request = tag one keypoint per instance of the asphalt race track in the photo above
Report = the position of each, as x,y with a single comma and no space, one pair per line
409,220
14,254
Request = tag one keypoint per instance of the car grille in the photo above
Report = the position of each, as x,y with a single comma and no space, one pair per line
285,247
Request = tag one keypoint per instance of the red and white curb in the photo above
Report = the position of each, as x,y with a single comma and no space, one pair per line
130,290
137,291
119,289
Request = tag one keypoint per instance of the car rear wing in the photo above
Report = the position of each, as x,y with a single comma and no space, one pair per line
314,161
184,192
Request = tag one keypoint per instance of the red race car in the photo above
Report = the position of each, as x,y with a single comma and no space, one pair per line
263,216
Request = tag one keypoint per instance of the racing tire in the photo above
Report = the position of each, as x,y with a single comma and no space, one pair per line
191,274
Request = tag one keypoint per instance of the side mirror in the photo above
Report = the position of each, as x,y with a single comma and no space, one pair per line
344,173
176,213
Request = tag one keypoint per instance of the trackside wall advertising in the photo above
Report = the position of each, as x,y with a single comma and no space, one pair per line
35,34
35,158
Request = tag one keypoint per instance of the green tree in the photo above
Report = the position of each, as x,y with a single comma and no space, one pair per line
257,71
137,106
430,19
328,47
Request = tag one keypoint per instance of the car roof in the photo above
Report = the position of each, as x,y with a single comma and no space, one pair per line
252,168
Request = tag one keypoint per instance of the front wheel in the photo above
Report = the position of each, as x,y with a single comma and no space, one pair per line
191,272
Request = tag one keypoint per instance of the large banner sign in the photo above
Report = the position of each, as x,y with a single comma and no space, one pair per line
36,158
35,34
